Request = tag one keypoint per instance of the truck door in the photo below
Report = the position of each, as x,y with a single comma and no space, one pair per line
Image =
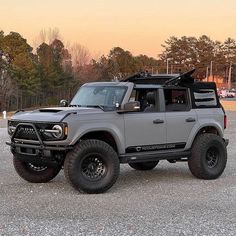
180,118
145,130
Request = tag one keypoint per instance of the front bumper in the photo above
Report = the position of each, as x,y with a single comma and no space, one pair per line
36,151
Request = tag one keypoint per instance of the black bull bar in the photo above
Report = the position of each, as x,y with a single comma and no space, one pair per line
34,151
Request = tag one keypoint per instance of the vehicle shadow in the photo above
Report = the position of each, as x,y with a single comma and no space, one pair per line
160,173
162,176
131,179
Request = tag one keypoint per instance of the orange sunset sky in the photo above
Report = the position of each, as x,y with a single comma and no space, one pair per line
140,26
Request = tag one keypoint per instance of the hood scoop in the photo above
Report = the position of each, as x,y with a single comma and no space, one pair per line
45,110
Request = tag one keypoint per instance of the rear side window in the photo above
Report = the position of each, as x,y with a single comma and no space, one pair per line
205,98
176,99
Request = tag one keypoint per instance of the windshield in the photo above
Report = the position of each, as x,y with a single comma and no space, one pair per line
99,96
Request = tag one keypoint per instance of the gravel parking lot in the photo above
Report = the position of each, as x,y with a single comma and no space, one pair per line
165,201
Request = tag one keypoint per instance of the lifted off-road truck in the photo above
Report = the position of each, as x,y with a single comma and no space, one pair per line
140,121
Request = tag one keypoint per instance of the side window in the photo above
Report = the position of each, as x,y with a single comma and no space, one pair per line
205,98
176,99
146,97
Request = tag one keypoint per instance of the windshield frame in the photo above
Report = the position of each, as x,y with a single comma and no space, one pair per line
102,106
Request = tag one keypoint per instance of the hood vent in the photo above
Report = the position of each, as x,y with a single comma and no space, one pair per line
50,110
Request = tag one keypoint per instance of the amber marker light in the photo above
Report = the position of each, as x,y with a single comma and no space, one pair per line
66,130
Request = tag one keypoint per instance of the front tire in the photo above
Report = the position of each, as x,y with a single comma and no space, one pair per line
144,165
34,173
209,156
92,166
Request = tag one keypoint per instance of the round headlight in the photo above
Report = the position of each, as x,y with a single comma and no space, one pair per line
59,131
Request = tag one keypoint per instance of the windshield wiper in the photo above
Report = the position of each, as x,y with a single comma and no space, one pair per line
73,105
96,106
93,106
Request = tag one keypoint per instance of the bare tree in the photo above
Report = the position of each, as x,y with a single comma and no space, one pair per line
46,36
96,55
52,34
80,55
43,36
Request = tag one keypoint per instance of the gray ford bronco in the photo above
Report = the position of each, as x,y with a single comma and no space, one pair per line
140,121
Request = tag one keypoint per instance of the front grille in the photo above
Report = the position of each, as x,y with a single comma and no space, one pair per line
26,132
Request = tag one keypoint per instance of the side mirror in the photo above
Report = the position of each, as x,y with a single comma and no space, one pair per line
64,103
132,106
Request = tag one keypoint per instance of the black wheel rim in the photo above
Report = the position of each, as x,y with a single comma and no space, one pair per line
36,168
93,167
212,157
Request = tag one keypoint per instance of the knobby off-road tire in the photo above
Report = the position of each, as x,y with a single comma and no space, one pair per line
209,156
144,165
92,166
33,173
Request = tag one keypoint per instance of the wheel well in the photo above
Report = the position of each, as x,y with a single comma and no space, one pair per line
208,129
103,136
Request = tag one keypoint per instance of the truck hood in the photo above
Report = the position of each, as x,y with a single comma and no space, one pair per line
54,114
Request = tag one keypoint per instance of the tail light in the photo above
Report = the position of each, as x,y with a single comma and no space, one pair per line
225,121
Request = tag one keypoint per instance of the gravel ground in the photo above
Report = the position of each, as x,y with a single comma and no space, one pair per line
165,201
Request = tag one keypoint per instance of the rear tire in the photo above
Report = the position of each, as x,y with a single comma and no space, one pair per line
33,173
144,165
92,166
209,156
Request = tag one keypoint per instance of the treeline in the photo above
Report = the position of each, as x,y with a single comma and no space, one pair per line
41,77
33,79
209,57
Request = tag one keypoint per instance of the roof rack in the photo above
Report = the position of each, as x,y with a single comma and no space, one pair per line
147,78
162,79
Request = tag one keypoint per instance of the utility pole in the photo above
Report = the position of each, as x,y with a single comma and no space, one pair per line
229,77
207,73
167,65
211,68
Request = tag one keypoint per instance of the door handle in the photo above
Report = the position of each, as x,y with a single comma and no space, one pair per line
190,119
158,121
